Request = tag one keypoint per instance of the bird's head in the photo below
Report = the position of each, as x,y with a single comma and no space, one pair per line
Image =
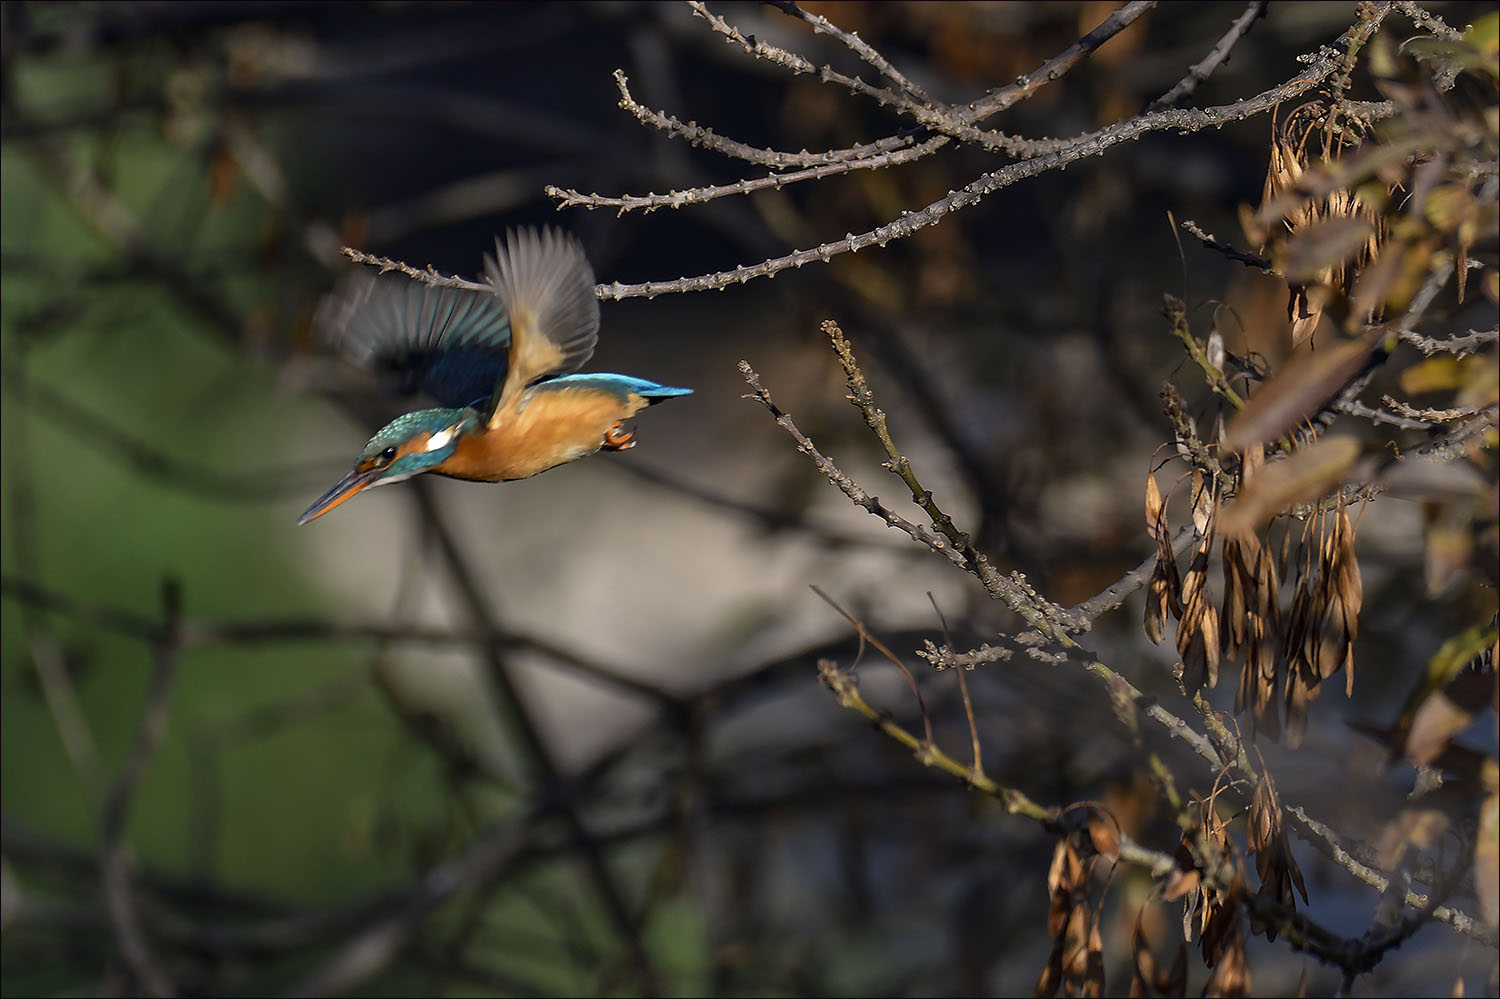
409,445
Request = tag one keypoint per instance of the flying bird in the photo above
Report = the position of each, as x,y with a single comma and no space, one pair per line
502,362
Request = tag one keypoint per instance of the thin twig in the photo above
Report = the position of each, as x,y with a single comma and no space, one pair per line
1017,594
857,45
774,182
1216,57
193,635
889,151
963,689
427,276
1424,418
1331,845
1004,98
1183,119
796,64
1353,407
114,867
896,462
866,637
702,136
1119,591
846,691
845,484
1459,346
1207,239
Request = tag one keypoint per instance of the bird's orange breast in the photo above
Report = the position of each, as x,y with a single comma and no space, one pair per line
541,429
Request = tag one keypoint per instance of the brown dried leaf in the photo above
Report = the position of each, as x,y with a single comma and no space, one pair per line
1259,677
1349,586
1300,643
1208,638
1205,502
1051,977
1297,390
1231,977
1417,828
1221,925
1305,475
1487,860
1374,282
1274,862
1156,524
1446,713
1093,977
1184,877
1163,595
1198,630
1320,249
1061,875
1235,633
1146,976
1064,869
1103,833
1449,547
1157,601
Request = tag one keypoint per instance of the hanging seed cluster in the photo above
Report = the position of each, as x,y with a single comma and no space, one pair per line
1212,908
1285,656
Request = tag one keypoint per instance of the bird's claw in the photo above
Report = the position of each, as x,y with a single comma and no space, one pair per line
617,438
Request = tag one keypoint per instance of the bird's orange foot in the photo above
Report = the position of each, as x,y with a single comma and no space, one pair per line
617,438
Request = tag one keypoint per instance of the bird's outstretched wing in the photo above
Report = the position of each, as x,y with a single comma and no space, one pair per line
452,344
546,286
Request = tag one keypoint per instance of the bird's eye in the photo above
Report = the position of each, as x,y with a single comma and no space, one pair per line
386,457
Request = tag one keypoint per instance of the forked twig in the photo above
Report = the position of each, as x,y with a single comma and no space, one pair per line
866,638
963,688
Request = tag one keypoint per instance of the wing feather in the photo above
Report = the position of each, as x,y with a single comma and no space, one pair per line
545,283
452,344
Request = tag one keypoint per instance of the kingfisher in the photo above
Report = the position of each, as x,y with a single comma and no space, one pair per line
503,363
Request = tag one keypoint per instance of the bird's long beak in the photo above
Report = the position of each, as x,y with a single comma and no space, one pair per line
342,490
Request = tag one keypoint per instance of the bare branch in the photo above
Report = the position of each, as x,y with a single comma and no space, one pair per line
1354,407
775,182
1422,419
427,276
1055,68
1186,120
1216,57
1248,259
845,484
797,65
1459,346
857,45
699,135
889,151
